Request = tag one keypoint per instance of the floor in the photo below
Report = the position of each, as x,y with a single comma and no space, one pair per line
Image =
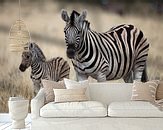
8,126
6,122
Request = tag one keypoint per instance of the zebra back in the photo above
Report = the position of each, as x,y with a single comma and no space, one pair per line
58,69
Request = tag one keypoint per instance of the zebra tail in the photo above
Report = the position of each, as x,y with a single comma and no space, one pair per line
144,77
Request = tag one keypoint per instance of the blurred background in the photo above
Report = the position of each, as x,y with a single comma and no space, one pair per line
42,17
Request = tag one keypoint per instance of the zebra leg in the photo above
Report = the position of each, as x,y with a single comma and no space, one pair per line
144,77
101,77
37,85
81,77
138,75
128,78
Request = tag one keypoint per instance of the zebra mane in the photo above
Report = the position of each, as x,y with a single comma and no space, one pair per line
36,49
75,14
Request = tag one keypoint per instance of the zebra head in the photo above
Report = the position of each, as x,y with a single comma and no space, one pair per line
73,30
31,54
26,60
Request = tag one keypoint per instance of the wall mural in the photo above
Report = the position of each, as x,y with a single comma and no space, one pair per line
44,19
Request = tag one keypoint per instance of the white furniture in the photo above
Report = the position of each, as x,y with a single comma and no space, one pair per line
18,110
112,110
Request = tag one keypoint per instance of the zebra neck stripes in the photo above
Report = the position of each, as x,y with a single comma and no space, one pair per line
37,70
88,53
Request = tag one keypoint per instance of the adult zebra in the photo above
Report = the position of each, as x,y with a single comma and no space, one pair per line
54,69
120,52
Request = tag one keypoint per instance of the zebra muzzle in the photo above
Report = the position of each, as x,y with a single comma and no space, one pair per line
70,53
22,67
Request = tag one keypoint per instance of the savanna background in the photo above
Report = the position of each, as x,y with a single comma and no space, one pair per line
45,25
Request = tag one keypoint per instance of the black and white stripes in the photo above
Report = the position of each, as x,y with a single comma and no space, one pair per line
54,69
120,52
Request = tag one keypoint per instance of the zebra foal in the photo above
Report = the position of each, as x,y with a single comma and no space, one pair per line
118,53
54,69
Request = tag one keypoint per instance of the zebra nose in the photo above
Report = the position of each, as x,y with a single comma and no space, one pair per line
22,67
70,53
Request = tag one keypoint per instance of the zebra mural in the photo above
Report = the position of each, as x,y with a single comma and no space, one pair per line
54,69
118,53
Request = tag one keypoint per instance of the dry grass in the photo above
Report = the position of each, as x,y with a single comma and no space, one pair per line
46,27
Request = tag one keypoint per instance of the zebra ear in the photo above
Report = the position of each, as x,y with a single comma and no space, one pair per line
64,15
82,16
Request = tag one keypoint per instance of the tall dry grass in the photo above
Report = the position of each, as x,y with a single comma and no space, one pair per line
12,81
46,27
